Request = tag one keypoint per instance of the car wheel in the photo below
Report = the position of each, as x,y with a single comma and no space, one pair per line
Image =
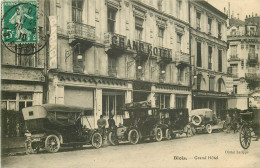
133,136
30,147
96,140
168,134
113,138
209,128
158,134
52,143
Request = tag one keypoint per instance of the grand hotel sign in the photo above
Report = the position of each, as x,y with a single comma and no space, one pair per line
121,42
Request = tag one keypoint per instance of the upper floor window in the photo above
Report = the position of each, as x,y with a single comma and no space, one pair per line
199,54
138,28
198,20
211,83
210,57
77,10
220,60
181,75
111,20
235,89
178,42
26,60
209,25
112,66
178,8
251,49
160,35
233,49
159,4
219,31
234,70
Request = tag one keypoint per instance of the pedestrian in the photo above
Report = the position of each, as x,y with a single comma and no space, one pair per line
111,122
228,123
101,122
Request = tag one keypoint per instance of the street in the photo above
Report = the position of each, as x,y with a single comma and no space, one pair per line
202,150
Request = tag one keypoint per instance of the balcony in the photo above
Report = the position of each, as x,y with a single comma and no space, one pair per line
80,32
165,55
183,58
254,76
115,43
233,58
252,59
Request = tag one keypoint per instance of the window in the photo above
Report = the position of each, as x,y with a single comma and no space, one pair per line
111,104
211,83
209,25
198,20
251,49
178,8
199,78
162,101
220,60
26,60
112,66
180,101
138,28
219,85
77,60
233,49
16,101
111,20
219,30
159,4
210,57
198,54
160,35
77,10
234,70
178,43
181,75
235,89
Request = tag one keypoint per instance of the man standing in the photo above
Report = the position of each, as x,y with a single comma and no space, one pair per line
101,122
111,122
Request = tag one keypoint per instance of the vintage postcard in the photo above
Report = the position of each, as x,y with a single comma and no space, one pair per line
130,83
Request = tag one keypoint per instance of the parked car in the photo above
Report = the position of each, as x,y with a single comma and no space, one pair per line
140,121
50,126
205,120
177,121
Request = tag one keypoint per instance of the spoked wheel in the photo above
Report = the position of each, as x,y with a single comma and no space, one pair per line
96,140
245,137
158,134
133,136
168,134
113,138
31,147
52,143
209,128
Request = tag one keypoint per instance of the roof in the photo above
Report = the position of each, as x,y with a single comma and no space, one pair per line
212,8
64,108
236,22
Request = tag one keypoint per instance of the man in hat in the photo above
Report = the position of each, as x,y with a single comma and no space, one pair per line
111,122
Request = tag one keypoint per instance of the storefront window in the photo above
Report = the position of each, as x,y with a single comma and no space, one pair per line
162,101
112,104
180,101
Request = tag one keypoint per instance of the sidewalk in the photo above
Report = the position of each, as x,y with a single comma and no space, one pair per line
12,145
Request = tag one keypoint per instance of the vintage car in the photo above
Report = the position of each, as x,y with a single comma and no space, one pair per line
140,121
177,121
50,126
204,120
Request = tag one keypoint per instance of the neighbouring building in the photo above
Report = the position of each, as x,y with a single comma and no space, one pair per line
22,83
208,57
111,52
243,61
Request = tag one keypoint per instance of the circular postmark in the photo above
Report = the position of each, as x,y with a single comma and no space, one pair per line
25,29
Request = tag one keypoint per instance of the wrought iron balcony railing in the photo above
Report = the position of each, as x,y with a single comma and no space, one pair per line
182,57
81,31
252,58
234,58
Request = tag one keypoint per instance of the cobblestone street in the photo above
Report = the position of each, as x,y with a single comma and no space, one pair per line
203,150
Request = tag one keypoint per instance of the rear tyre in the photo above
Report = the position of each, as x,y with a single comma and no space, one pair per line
113,138
158,134
209,128
52,143
133,136
96,140
30,147
168,134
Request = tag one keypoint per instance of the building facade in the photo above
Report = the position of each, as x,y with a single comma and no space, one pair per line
112,52
243,61
208,57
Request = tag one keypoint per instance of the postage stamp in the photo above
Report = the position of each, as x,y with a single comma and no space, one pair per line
19,22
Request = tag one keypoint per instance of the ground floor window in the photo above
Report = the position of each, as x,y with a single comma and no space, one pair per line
12,104
162,100
181,101
112,104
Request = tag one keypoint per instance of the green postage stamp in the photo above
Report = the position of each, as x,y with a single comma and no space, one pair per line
19,22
